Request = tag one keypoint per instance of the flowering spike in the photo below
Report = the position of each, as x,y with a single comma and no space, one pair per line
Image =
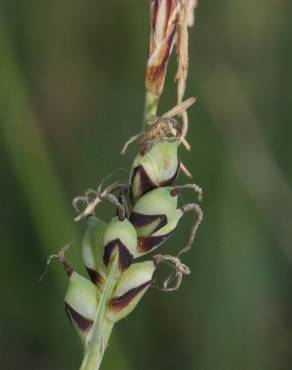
109,249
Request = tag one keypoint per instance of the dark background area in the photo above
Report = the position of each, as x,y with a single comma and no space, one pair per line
71,93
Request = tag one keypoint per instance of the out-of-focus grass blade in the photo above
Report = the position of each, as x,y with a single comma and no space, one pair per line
28,153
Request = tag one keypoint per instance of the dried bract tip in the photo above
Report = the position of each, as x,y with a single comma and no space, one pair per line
185,20
198,219
61,258
194,187
164,17
190,11
91,205
185,170
180,270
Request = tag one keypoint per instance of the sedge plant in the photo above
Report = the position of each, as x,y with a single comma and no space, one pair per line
147,210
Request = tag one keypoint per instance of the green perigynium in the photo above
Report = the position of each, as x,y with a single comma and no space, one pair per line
121,237
92,250
130,288
81,302
158,167
155,216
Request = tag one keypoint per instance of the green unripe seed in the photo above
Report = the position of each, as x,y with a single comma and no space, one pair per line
154,210
131,287
120,235
155,216
81,302
92,250
149,243
157,167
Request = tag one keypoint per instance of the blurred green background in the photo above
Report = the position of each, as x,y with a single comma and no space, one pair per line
71,93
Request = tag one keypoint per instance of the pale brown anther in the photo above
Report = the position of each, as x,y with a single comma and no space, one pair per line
164,18
186,19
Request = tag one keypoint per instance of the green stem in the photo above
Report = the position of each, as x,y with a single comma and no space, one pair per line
102,328
150,108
